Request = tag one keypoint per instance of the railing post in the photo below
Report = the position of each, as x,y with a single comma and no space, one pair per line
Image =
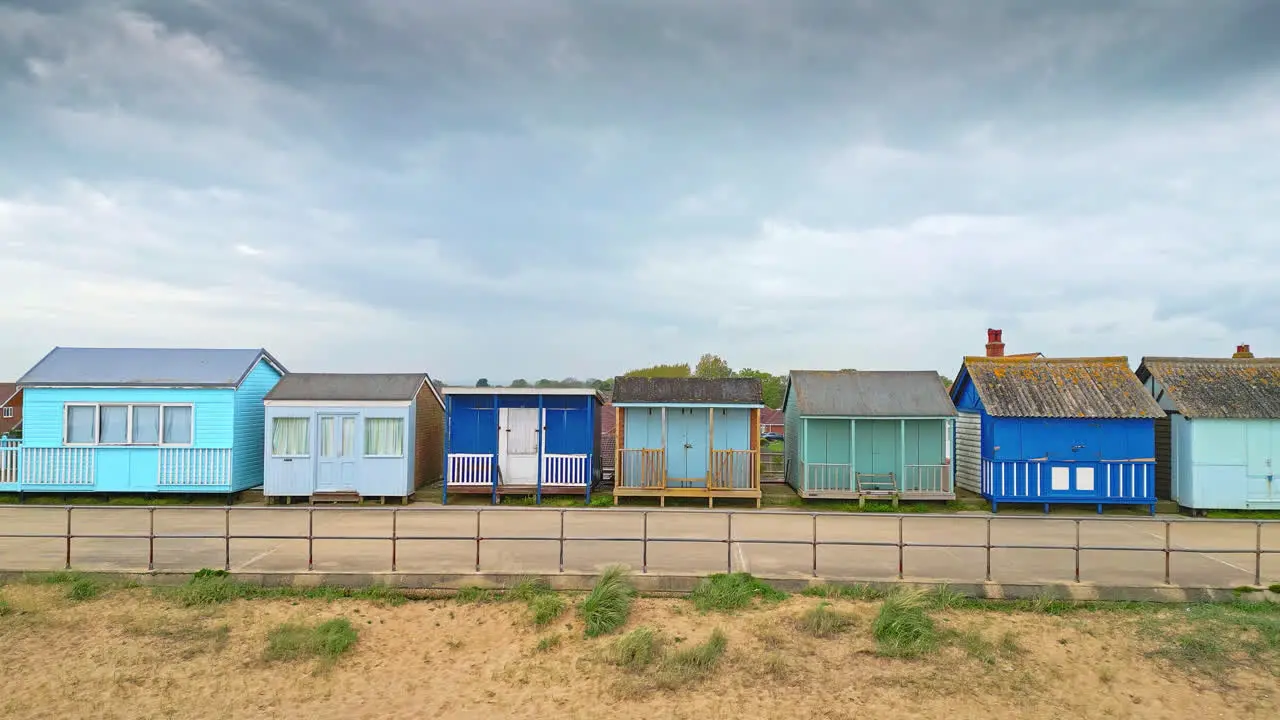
900,547
815,544
151,539
1257,556
1168,554
311,543
1077,551
67,565
562,541
644,543
988,549
226,537
478,540
394,516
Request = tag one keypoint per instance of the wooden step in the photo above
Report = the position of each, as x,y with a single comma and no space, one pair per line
335,496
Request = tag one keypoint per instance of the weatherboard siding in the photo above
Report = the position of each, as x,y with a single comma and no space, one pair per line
968,451
247,462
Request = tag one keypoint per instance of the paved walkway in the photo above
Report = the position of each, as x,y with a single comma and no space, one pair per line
274,540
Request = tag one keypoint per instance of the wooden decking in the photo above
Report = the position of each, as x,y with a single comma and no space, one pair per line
663,493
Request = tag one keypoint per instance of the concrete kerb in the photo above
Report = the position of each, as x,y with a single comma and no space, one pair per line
650,584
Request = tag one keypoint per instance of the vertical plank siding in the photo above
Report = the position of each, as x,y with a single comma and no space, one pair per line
968,452
194,467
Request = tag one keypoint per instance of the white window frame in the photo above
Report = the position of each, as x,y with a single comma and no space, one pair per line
97,424
7,412
404,425
310,430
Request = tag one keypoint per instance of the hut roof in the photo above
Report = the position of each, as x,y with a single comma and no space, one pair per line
348,387
693,391
869,393
1102,387
1235,388
145,367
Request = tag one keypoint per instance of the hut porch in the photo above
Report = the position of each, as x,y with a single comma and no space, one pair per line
858,459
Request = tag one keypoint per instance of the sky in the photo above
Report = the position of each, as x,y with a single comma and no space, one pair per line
555,188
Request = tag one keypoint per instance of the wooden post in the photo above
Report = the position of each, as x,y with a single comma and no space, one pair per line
853,455
804,454
711,447
902,458
663,463
754,467
619,442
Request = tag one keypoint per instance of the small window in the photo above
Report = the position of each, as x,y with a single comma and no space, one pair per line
146,424
6,413
384,437
177,425
113,424
81,427
290,437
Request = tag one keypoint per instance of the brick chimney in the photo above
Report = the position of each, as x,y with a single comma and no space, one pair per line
1242,351
995,346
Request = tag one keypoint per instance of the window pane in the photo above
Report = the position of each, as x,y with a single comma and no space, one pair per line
113,424
177,425
289,436
326,437
348,436
384,436
8,412
80,424
146,424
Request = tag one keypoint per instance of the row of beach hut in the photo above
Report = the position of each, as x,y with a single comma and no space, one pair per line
1023,428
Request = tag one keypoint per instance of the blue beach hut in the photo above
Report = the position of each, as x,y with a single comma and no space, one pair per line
1055,431
521,441
143,420
1220,447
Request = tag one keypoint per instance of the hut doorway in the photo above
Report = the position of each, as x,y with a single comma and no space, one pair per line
338,452
518,446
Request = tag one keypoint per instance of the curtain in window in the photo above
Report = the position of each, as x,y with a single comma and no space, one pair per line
289,436
177,425
326,437
113,425
146,424
80,424
348,436
384,436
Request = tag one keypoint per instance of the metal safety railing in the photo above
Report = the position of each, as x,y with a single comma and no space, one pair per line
1167,550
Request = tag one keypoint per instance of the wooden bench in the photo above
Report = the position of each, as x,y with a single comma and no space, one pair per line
877,485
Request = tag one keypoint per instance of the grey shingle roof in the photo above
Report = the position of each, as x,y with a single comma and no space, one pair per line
1061,388
145,367
1237,388
347,387
862,393
720,391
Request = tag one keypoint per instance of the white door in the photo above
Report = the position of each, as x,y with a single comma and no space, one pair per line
338,452
518,445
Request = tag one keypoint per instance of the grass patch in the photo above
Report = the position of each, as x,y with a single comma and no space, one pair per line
1274,588
944,598
637,649
527,589
776,667
188,639
985,651
473,594
325,642
608,605
821,621
684,667
83,589
546,609
733,591
903,628
215,587
843,592
1214,640
548,643
601,500
5,608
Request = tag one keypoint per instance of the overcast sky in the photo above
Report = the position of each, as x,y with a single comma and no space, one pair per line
530,188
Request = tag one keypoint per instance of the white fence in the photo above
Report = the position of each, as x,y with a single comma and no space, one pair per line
200,467
470,469
566,470
9,461
927,480
59,466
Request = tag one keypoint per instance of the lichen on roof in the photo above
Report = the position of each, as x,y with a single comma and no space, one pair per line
1101,387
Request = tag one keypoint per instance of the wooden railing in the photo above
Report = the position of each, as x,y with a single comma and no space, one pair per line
59,466
566,470
470,469
827,477
9,460
734,470
927,479
198,467
641,469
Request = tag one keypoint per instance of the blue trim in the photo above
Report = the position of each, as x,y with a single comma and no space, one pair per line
542,440
497,457
448,434
591,456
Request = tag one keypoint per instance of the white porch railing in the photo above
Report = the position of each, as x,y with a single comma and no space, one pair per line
198,467
827,477
58,466
9,460
927,479
566,470
470,469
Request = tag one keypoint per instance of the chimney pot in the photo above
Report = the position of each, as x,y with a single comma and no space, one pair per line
1242,351
995,346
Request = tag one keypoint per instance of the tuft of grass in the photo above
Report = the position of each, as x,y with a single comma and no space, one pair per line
528,589
472,594
1214,640
5,607
903,628
325,642
844,592
637,649
944,598
548,643
215,587
684,667
1246,590
83,589
821,621
1274,588
979,648
608,605
601,500
776,667
546,609
726,592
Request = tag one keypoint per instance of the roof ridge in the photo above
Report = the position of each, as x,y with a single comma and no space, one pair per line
1055,360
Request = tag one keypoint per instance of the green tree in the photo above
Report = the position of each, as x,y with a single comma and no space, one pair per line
662,371
712,366
946,381
774,385
520,383
483,382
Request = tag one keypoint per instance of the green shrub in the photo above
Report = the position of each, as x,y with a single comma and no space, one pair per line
637,649
607,606
545,609
903,627
326,641
732,591
687,666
